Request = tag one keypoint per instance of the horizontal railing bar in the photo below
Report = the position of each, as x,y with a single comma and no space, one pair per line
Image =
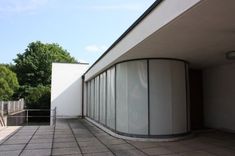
29,116
39,109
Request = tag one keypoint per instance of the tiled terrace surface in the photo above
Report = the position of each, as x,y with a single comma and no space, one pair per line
79,137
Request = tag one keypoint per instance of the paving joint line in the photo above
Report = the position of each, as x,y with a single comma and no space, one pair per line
97,138
28,141
136,148
75,137
123,140
9,136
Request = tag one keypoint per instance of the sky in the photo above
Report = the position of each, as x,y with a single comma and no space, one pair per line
85,28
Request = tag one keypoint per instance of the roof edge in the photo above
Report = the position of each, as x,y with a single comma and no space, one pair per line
146,13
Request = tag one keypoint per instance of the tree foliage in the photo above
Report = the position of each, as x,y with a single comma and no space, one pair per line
37,97
8,83
33,67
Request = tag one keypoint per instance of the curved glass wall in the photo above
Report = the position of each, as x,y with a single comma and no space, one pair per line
143,98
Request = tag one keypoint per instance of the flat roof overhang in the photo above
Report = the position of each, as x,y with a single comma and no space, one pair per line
197,31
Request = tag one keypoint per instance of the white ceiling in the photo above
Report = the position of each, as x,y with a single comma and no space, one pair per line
202,35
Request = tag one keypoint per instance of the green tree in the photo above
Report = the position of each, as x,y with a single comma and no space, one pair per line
38,97
8,83
33,67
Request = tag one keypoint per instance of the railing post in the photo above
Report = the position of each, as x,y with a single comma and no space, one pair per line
27,117
55,116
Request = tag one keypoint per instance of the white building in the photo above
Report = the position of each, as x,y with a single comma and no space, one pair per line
168,73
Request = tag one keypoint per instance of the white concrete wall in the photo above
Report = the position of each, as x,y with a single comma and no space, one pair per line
66,88
219,97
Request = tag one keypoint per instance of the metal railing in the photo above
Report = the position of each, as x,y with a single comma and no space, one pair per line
34,117
13,113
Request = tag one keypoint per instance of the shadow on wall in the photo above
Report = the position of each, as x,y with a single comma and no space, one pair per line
68,102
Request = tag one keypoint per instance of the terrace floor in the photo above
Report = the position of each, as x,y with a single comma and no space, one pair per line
79,137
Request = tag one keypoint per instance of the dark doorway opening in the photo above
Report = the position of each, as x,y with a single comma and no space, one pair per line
196,98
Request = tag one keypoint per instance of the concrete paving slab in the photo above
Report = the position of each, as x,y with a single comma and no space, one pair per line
94,149
112,141
11,147
64,139
121,147
39,146
133,152
64,144
90,143
143,144
36,152
221,151
15,142
99,154
10,153
196,153
157,151
80,137
7,132
177,147
40,140
63,151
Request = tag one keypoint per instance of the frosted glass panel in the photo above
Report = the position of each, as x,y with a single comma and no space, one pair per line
92,98
111,98
167,97
102,97
88,97
179,97
122,98
97,96
132,97
138,97
160,97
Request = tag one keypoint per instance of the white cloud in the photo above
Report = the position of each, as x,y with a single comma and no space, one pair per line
19,6
96,48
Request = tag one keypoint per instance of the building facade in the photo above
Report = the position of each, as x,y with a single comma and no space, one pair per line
171,72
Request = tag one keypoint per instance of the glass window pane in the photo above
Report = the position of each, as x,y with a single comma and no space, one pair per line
102,97
88,98
111,98
132,97
96,115
92,98
122,98
167,97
